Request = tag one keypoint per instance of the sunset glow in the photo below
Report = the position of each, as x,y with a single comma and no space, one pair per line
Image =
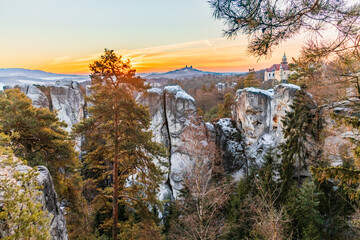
157,36
220,55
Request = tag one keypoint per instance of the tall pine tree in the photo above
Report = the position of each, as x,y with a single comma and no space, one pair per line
119,146
302,126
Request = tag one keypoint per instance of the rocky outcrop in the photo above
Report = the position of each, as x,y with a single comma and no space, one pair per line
229,140
68,100
258,114
37,97
180,107
48,198
255,128
65,97
155,100
172,111
337,144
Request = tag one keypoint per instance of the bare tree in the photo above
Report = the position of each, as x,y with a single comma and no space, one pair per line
270,221
205,191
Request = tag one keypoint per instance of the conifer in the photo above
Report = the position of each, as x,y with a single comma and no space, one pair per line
119,147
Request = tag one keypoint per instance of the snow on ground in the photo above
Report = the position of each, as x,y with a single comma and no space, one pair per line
179,92
257,90
227,126
289,85
155,90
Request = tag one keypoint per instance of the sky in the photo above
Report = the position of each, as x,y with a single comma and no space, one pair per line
65,36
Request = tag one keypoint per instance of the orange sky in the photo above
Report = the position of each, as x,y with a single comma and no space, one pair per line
219,54
157,36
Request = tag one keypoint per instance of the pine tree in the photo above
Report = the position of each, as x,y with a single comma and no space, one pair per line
257,210
250,81
268,23
302,125
228,102
37,136
307,217
119,148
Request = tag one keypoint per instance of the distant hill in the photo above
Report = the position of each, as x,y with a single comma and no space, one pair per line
15,76
182,73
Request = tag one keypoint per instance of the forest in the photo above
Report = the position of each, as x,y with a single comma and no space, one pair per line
110,170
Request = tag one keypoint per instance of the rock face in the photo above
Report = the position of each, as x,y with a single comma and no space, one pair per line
337,145
155,100
229,140
172,111
258,114
37,97
48,198
255,128
65,97
180,107
68,100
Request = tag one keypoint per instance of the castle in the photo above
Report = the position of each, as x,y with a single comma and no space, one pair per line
278,72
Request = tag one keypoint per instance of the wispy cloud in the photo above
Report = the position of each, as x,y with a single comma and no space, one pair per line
209,54
89,58
61,59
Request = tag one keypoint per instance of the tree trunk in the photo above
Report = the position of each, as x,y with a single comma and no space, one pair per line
115,193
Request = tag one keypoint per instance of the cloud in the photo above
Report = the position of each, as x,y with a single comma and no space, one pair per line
89,58
61,59
216,54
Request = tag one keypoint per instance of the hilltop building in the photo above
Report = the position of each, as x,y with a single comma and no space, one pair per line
278,72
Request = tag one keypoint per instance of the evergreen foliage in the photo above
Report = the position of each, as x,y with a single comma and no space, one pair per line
119,160
302,126
257,209
307,218
269,23
220,110
22,216
37,135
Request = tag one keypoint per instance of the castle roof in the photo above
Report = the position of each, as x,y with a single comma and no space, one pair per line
276,67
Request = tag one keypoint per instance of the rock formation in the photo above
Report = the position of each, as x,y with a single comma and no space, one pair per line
258,114
172,110
65,97
68,100
37,97
48,198
228,139
337,144
255,125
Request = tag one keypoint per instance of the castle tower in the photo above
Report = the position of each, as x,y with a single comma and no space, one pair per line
284,60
